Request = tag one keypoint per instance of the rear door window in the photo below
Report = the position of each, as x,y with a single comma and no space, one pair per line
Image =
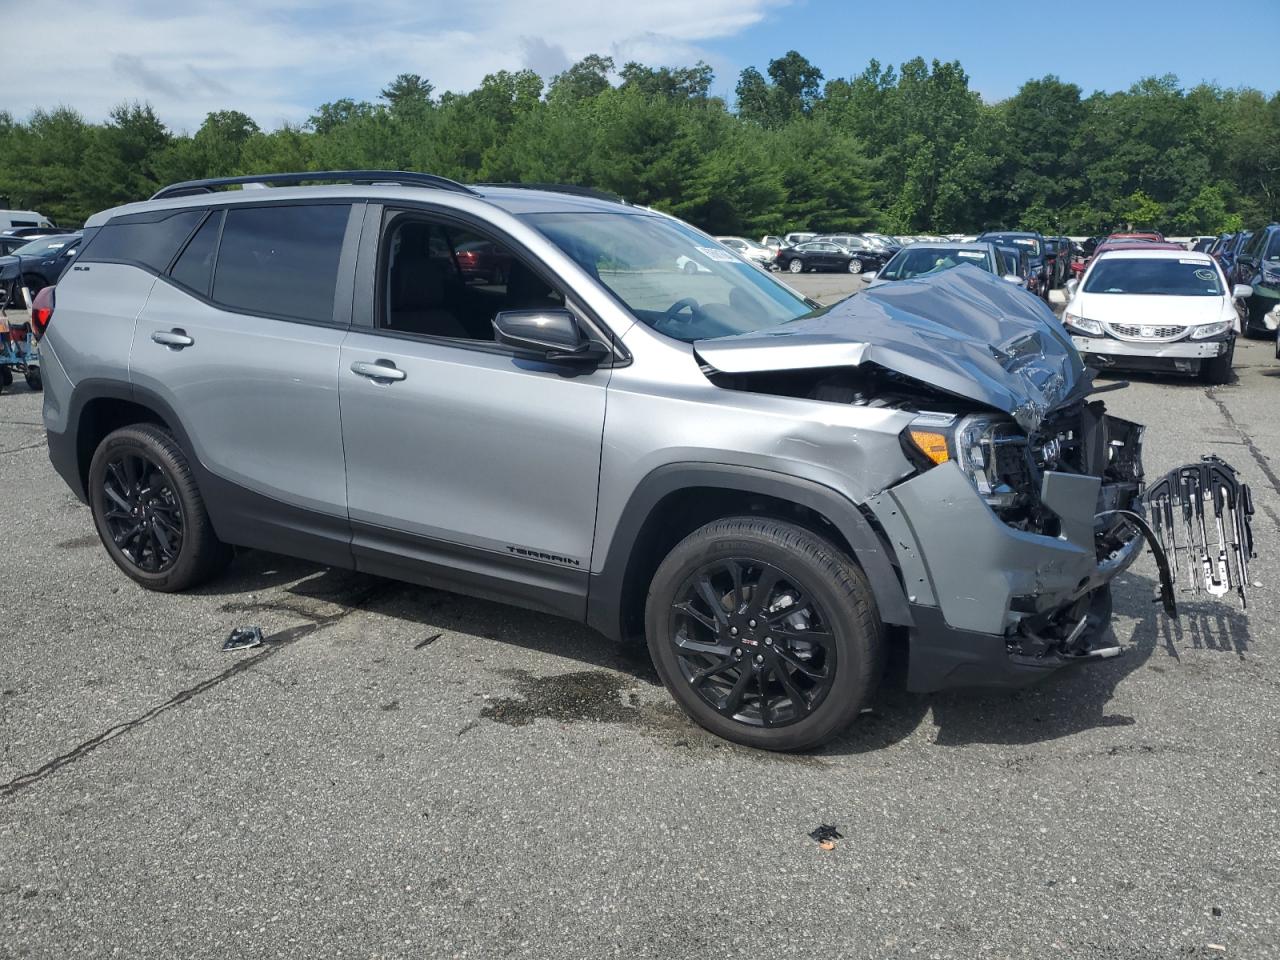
281,260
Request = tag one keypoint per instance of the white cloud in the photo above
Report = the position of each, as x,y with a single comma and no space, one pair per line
279,62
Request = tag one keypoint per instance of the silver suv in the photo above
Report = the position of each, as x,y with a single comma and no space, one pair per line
524,395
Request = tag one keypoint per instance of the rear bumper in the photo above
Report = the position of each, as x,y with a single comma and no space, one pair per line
65,460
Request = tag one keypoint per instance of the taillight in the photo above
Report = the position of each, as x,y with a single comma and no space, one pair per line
42,311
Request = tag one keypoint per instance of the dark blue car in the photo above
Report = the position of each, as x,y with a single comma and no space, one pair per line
1257,263
37,264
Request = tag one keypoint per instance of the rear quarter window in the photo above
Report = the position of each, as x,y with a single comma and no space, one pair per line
148,240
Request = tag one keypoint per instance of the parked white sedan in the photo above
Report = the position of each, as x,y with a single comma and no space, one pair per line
756,253
1157,310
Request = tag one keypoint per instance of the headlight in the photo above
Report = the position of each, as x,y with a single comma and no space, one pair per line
973,443
1075,322
1206,330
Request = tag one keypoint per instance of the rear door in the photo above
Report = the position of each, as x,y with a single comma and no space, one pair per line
468,467
240,339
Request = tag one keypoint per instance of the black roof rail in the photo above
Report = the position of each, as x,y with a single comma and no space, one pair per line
572,189
398,178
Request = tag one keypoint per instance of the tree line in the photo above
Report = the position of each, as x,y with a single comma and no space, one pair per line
905,150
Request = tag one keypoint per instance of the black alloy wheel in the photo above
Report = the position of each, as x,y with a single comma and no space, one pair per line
143,514
752,643
149,512
765,632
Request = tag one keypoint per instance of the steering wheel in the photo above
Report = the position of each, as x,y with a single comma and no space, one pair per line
673,312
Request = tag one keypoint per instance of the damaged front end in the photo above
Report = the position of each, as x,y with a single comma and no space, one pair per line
1028,498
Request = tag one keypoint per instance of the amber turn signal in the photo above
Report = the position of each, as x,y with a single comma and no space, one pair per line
932,445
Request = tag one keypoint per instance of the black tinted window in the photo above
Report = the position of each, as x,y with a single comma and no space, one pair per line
194,268
445,281
281,260
147,239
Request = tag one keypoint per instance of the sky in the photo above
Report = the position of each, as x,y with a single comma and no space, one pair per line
277,61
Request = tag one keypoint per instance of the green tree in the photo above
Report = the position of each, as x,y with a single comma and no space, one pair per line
587,78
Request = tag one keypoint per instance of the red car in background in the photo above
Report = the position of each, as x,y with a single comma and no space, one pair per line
482,260
1125,241
1153,235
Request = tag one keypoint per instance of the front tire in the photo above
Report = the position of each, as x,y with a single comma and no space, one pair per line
1255,327
765,633
1217,370
33,379
149,512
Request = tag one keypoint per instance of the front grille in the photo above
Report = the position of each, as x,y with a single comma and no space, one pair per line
1135,331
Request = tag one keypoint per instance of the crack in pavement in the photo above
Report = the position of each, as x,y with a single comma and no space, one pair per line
29,446
1258,456
272,645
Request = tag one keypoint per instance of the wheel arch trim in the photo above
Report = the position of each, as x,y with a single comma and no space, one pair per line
875,556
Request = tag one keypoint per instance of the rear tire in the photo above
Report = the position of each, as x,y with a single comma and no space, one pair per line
796,265
785,663
855,265
1217,371
33,379
157,464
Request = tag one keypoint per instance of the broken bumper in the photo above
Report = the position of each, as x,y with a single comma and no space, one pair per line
1182,355
994,605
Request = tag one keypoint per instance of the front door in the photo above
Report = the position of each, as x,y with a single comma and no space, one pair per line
468,467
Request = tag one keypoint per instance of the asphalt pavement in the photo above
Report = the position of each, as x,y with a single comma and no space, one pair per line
402,772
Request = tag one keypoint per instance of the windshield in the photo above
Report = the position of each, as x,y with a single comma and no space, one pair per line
1161,278
1273,248
1030,244
42,247
917,261
671,277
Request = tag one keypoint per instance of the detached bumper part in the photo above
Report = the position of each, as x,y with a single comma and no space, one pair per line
1202,516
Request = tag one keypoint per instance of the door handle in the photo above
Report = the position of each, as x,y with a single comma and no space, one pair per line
383,370
174,339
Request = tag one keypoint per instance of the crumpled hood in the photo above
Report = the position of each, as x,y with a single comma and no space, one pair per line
963,331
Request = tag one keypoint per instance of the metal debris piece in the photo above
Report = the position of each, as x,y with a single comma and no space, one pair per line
826,836
243,638
1207,506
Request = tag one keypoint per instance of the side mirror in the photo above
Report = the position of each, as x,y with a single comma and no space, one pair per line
552,334
1011,278
1072,285
1241,291
870,275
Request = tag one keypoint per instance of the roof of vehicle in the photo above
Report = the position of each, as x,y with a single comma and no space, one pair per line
1152,252
1011,233
54,237
515,200
1135,244
1137,235
978,245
